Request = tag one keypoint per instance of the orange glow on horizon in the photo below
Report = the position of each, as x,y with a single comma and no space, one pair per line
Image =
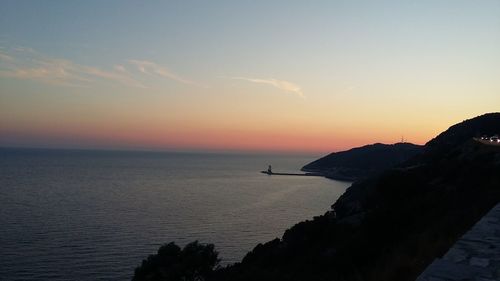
212,139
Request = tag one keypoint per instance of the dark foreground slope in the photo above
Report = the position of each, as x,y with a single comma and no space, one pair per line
362,161
392,226
388,227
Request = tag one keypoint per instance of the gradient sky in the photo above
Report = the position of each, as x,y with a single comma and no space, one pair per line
243,75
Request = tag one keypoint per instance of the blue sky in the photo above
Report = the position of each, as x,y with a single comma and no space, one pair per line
215,66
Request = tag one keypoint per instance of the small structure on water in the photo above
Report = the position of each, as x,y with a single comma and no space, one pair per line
269,171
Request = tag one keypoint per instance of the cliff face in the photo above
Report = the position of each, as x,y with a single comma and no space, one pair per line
363,161
391,226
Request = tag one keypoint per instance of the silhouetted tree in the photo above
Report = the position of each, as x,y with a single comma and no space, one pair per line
195,262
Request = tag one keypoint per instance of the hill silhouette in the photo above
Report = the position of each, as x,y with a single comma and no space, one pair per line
362,161
462,132
392,225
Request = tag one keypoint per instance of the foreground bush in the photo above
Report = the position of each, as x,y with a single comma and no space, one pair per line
196,262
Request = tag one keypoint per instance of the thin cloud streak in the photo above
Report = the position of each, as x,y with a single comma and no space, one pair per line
120,68
117,76
44,69
27,64
5,57
284,85
151,68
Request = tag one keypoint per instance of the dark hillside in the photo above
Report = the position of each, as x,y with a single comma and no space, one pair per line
460,133
362,161
390,227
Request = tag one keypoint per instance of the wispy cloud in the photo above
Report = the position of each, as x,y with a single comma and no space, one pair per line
5,57
44,69
26,63
120,76
284,85
151,68
120,68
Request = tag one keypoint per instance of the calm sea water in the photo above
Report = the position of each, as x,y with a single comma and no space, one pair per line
94,215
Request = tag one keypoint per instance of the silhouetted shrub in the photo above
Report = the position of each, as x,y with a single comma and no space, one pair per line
195,262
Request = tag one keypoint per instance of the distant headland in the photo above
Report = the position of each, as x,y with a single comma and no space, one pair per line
363,161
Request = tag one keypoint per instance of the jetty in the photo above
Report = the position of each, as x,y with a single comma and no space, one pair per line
270,172
293,174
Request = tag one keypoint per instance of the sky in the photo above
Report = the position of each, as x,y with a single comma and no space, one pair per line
282,76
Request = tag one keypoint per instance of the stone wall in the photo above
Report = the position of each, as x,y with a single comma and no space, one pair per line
475,256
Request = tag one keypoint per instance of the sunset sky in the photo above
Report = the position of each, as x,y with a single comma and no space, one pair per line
291,76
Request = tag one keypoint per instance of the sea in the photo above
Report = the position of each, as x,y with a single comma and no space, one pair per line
95,215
